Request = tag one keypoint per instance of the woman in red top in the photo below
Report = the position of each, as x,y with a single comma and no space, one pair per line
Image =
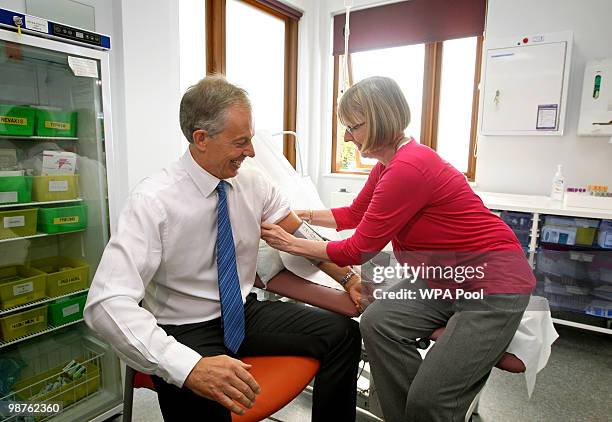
461,266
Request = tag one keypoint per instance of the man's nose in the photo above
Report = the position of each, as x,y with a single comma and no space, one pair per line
249,150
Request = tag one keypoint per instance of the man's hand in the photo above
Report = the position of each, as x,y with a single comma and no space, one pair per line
224,380
354,289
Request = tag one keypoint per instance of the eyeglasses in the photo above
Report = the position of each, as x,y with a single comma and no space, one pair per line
351,129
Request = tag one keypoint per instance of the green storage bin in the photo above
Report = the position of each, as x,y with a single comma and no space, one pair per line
16,120
15,189
67,309
55,123
62,219
18,223
20,285
64,275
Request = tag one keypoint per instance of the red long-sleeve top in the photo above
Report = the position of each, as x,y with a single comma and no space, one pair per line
426,208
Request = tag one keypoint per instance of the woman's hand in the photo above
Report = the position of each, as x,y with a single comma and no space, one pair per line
277,237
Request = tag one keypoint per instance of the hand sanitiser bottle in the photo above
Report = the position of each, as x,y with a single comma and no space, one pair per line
558,185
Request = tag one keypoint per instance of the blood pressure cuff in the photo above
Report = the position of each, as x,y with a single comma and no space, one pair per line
305,231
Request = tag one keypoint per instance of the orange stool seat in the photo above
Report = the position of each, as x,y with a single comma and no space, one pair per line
281,379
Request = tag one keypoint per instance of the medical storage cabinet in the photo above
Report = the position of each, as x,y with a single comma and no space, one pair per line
55,135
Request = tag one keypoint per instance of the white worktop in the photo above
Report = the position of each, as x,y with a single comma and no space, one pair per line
539,204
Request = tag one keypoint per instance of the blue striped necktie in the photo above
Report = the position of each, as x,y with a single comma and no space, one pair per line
232,309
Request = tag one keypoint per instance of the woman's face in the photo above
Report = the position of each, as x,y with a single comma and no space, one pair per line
356,134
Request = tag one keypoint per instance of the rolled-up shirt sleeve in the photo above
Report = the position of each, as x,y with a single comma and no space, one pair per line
128,264
401,192
276,205
350,217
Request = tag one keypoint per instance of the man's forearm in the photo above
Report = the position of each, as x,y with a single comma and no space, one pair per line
314,250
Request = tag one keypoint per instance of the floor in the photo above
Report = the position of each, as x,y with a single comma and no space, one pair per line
576,385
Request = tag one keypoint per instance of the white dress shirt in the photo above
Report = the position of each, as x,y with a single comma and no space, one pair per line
164,253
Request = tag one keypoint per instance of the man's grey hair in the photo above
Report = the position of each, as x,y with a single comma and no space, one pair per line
205,105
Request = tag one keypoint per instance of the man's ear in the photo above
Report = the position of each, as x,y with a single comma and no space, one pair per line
201,140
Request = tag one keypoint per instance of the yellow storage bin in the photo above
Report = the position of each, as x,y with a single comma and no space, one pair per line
72,391
64,275
585,235
55,188
23,323
18,223
20,285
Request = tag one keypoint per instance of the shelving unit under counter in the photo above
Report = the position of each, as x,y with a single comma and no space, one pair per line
572,270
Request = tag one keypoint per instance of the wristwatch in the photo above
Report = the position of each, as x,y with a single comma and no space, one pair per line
347,277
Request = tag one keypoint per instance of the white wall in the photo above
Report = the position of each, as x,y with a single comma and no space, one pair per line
152,85
527,164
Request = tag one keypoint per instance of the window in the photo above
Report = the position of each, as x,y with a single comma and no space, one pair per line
254,43
258,70
455,107
438,80
432,48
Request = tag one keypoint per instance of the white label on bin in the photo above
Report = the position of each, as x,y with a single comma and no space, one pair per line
21,289
17,221
70,310
36,24
8,197
58,186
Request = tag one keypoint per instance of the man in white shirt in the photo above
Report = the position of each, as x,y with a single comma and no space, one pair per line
186,246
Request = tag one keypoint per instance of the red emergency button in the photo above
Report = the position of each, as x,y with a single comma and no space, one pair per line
525,40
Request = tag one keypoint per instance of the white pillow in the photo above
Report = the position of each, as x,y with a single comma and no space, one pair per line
269,262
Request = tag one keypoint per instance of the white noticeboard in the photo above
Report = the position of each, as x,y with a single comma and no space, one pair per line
525,84
596,106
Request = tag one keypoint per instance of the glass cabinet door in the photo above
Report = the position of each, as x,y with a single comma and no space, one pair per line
54,226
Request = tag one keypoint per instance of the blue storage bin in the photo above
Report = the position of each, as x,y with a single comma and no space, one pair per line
604,239
517,220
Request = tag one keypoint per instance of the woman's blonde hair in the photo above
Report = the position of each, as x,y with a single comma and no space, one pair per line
380,104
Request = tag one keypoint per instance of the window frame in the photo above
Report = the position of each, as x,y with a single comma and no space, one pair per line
215,11
432,76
